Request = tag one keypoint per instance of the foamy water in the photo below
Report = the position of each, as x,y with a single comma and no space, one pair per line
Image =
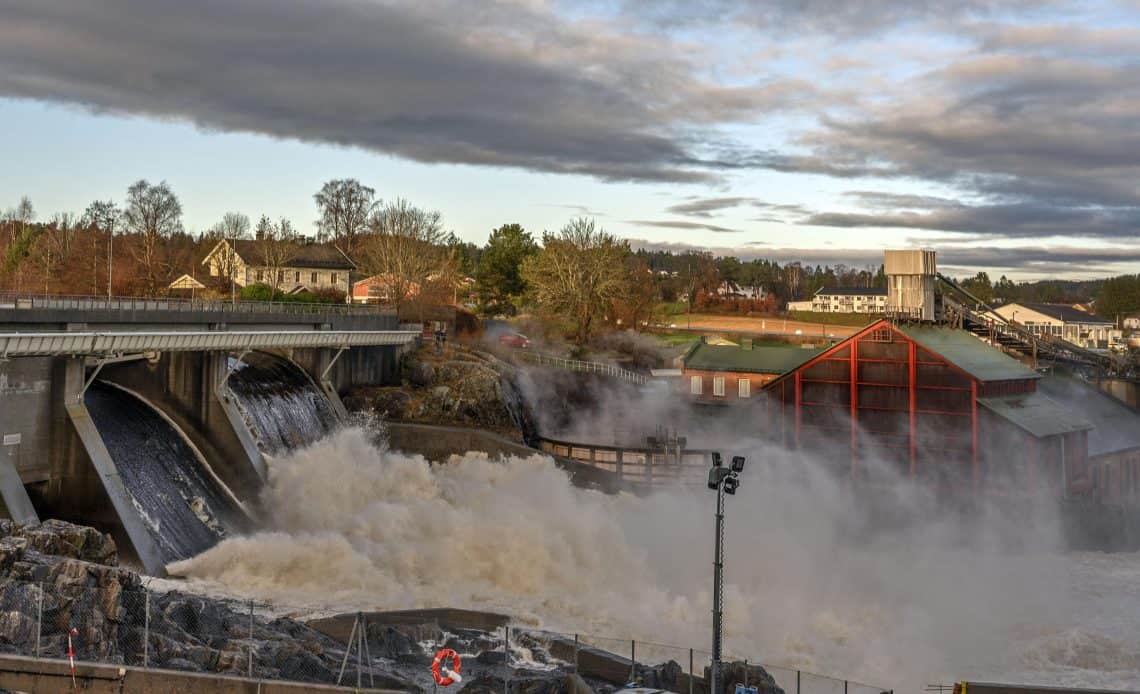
351,526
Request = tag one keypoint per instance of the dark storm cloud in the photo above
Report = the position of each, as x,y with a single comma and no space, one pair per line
674,224
498,83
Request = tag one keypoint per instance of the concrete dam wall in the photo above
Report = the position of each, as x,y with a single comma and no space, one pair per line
167,451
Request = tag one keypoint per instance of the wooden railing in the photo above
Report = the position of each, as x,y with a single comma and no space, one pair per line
637,466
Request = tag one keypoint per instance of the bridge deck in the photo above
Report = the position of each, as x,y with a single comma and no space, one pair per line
114,343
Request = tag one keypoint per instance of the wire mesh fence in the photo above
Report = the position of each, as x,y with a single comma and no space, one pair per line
135,627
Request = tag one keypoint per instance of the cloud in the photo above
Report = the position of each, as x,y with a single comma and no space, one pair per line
502,83
1027,260
707,207
583,210
674,224
819,16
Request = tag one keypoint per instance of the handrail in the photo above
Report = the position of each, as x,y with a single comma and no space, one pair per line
18,300
584,366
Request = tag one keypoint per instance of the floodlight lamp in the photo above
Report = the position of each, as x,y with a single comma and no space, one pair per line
714,479
738,463
717,461
730,484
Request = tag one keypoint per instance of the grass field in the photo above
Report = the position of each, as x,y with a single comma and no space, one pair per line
745,324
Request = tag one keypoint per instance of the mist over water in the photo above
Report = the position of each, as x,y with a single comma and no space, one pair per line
353,526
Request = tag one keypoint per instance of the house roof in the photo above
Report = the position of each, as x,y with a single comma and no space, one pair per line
761,359
968,353
323,256
1036,414
852,291
186,282
1064,313
1116,425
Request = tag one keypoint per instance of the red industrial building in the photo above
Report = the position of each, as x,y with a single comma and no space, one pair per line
934,403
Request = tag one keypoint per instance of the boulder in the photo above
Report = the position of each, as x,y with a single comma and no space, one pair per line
389,642
63,539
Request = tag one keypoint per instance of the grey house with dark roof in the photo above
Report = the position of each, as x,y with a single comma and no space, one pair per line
290,266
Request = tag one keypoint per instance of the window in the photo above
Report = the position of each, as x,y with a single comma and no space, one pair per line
314,279
297,277
260,276
280,275
718,386
695,385
743,388
334,278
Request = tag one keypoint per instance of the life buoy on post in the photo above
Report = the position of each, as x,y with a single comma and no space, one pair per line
443,675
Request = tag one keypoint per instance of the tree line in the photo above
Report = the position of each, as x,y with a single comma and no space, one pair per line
580,275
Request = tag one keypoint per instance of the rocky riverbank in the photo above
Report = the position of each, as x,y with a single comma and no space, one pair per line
57,577
461,387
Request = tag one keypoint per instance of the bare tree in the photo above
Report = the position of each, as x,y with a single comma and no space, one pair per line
405,251
276,246
154,213
234,225
346,208
578,274
105,217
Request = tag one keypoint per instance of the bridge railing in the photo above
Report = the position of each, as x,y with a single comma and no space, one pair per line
596,367
12,300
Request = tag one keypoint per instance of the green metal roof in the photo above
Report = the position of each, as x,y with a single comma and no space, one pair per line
968,353
761,359
1036,414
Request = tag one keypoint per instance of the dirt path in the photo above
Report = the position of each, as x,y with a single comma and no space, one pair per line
700,321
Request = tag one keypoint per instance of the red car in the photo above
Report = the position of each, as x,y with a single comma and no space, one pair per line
515,340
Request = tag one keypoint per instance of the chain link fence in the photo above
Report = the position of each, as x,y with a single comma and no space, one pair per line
113,624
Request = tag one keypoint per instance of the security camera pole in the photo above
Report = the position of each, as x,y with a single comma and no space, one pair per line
724,481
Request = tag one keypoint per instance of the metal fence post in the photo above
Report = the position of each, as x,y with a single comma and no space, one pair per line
577,667
797,682
146,631
745,672
691,674
39,615
633,660
507,659
251,638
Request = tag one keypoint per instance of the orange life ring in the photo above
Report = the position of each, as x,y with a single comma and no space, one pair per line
455,664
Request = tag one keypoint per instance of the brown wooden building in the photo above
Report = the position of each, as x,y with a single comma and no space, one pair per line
930,402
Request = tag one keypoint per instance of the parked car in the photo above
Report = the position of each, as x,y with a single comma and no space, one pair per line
514,340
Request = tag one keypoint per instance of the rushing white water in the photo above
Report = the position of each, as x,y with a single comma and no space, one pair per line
351,526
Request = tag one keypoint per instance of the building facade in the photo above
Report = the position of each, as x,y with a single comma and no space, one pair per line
850,300
1063,321
288,266
932,403
725,374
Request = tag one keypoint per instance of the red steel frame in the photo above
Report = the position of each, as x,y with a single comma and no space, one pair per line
912,410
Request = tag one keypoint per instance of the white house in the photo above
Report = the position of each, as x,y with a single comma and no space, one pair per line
291,266
1063,321
850,300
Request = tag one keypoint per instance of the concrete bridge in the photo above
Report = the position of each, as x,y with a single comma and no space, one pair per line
175,356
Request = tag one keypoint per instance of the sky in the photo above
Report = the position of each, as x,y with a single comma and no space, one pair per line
1001,133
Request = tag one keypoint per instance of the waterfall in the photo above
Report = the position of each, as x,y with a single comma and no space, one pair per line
185,508
518,409
283,408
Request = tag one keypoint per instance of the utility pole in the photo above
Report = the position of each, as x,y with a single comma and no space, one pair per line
110,256
723,481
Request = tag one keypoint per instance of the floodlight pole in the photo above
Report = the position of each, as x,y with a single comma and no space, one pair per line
718,589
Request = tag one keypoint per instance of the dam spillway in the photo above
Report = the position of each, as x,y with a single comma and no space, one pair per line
283,408
184,507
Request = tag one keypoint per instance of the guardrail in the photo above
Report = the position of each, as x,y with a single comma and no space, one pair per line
595,367
12,300
635,465
105,344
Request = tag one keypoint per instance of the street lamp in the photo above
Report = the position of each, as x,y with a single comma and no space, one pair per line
723,481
